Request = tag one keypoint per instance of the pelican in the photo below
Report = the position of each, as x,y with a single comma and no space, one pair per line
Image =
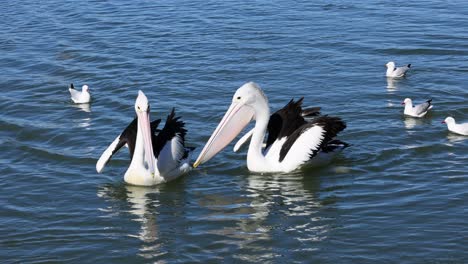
78,97
292,141
157,158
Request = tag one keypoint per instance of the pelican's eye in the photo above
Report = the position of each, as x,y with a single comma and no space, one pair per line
238,97
138,107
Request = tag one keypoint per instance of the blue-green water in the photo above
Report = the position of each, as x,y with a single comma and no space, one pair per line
398,195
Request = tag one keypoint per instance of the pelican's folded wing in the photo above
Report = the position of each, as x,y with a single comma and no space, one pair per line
169,144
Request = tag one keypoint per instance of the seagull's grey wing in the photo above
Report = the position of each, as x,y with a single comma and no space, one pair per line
421,108
400,71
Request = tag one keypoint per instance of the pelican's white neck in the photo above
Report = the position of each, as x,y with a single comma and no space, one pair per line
139,172
256,161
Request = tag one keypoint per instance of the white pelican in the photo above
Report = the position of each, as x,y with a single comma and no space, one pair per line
78,97
419,110
154,158
292,141
396,72
461,129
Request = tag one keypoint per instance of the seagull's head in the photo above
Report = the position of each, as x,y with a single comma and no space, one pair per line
390,64
449,120
407,101
85,88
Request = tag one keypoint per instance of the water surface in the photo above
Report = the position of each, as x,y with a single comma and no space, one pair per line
398,195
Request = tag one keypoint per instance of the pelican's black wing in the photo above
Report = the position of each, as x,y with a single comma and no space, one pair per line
285,121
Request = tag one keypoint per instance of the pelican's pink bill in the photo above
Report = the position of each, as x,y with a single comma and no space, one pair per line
235,119
144,120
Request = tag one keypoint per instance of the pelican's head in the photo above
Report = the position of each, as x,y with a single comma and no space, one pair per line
248,102
141,103
449,120
390,64
84,88
407,101
250,95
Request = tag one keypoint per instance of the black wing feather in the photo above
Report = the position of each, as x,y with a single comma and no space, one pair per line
311,112
128,136
173,127
285,121
331,125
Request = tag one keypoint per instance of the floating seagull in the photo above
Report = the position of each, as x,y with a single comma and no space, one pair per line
419,110
396,72
78,97
292,141
154,158
461,129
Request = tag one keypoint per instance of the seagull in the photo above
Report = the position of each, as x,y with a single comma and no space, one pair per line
78,97
461,129
419,110
396,72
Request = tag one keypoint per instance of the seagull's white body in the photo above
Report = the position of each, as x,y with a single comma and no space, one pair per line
292,141
396,72
78,97
154,159
417,110
461,129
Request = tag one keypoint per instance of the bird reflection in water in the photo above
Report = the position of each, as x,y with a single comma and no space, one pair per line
392,85
142,207
83,107
454,138
260,213
411,122
252,215
83,122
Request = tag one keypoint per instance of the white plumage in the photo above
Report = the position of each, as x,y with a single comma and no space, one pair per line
461,129
396,72
292,140
419,110
155,158
78,97
302,149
